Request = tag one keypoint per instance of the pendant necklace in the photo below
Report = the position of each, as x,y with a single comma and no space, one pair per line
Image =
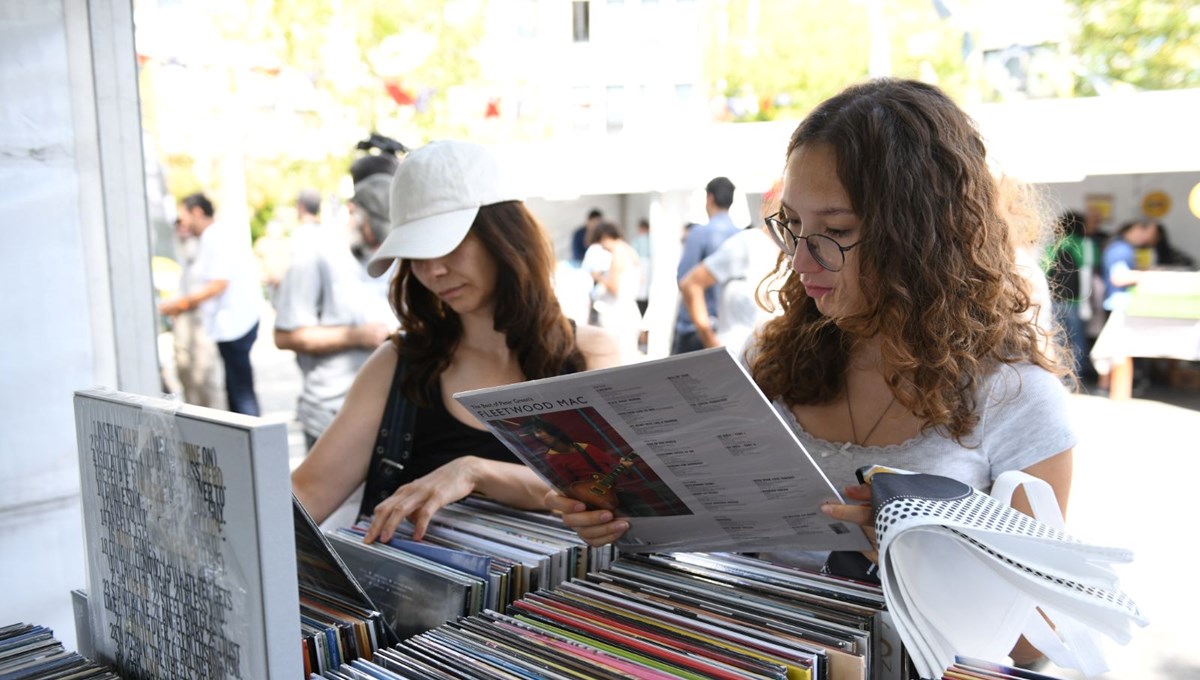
854,430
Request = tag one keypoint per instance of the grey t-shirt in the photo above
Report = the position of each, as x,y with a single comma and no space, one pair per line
325,286
1023,421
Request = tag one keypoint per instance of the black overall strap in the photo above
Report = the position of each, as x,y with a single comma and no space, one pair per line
393,446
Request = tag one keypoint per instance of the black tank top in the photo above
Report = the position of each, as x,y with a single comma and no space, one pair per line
440,438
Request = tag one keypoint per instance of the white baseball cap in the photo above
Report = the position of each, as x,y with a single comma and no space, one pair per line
435,195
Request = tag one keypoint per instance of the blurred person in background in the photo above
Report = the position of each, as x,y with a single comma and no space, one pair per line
581,238
1072,266
1126,256
325,310
373,164
369,226
614,297
700,242
737,269
1167,255
229,296
382,157
595,263
197,362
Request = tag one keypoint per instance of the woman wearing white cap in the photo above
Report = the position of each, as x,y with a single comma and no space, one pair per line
474,298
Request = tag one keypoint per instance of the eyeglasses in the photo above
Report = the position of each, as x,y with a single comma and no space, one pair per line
827,252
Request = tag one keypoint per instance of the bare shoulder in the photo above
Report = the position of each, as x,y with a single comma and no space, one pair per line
374,378
384,356
599,346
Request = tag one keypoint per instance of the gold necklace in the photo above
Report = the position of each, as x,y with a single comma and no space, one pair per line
854,429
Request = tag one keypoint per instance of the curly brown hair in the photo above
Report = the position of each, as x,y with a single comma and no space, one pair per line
937,255
527,311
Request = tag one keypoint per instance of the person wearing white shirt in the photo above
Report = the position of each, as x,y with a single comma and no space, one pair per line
738,267
228,296
596,262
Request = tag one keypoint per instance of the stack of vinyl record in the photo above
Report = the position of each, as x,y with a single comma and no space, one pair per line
976,669
336,632
673,616
338,621
475,556
664,616
30,651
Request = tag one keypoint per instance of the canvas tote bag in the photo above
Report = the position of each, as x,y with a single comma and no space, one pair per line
964,574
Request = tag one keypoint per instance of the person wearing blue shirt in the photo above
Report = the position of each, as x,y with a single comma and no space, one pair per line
1125,257
582,236
1121,270
701,242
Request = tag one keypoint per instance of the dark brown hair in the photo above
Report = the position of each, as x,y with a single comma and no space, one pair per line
605,230
527,311
936,260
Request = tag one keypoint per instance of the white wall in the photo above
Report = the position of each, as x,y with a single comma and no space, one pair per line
74,271
1127,191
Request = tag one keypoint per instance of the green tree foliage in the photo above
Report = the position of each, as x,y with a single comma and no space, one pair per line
1149,44
449,29
927,47
779,58
351,52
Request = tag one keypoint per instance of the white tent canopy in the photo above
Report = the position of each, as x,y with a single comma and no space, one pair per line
1042,141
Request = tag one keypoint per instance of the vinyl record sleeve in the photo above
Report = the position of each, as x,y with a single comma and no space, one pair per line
585,634
490,647
394,659
805,635
655,634
686,448
532,645
800,655
477,586
529,568
550,558
460,560
485,654
800,609
855,592
413,594
472,668
734,640
767,589
604,656
411,648
189,538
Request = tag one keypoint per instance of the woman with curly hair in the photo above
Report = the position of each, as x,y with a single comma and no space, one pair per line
906,338
477,309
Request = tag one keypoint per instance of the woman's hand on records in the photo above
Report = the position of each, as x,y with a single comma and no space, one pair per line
595,527
858,514
418,500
